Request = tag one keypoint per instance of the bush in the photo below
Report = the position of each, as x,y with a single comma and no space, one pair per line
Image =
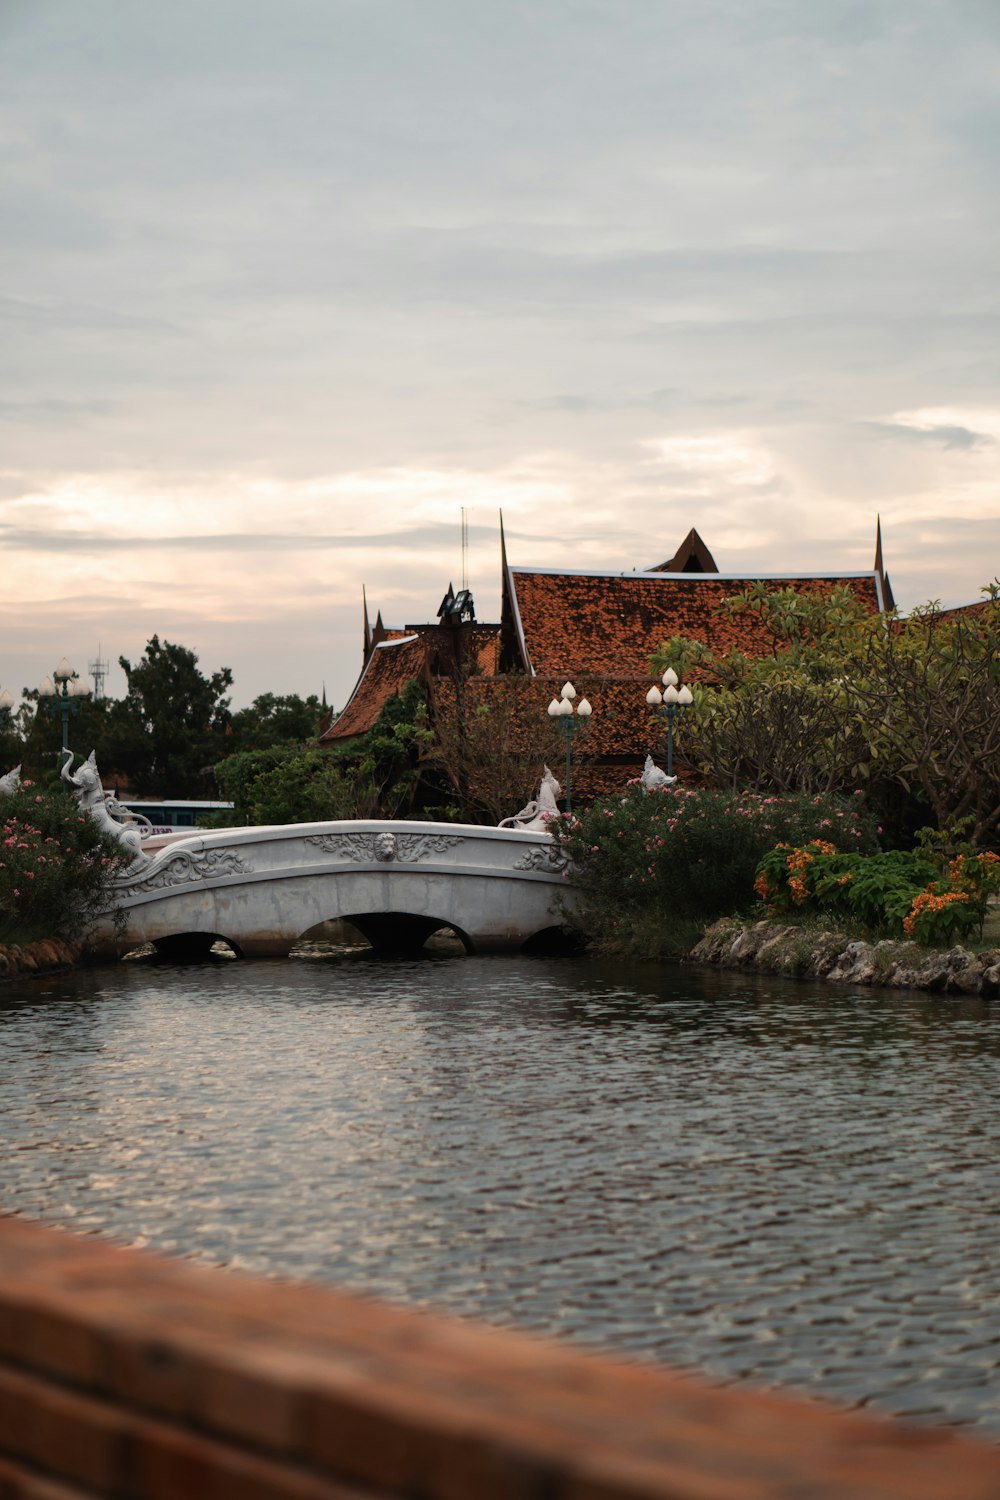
874,890
55,866
649,862
892,893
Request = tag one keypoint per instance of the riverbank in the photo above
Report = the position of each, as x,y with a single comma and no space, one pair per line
47,956
808,953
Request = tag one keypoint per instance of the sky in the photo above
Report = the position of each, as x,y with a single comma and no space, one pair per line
285,284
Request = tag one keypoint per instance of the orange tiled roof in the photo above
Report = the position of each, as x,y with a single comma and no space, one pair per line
389,668
422,652
611,623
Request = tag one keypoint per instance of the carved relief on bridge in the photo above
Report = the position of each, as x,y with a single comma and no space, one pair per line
546,859
182,867
383,848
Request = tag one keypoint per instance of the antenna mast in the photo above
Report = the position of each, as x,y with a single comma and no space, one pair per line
98,670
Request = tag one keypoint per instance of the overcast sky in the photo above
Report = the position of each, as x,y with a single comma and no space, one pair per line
285,283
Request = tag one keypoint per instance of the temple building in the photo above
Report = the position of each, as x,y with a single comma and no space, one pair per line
598,628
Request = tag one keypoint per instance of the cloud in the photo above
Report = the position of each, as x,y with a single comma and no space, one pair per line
289,284
953,437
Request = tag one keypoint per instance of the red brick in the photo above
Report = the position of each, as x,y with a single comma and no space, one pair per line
168,1463
319,1381
19,1483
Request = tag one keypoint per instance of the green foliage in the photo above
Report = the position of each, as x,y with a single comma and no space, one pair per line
287,785
40,726
55,866
169,729
875,890
892,893
274,719
835,698
649,860
378,775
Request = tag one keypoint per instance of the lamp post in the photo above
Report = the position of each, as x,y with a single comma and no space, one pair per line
561,709
60,692
668,705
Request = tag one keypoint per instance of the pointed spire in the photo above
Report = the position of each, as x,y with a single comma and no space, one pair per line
367,627
503,546
323,703
887,598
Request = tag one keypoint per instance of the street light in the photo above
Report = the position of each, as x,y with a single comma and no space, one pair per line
569,718
61,699
668,705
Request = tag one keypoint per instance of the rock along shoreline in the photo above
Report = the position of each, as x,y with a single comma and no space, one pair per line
48,956
773,948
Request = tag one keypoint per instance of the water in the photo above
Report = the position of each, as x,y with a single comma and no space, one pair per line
770,1181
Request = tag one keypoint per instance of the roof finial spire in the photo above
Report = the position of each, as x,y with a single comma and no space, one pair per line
887,599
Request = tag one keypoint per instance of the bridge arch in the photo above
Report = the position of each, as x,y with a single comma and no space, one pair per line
398,932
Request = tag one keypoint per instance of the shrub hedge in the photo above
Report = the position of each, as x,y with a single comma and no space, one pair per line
649,861
55,866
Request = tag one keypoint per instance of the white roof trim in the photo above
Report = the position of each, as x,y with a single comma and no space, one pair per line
744,577
517,621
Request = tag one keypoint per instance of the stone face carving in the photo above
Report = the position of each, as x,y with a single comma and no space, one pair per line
366,848
385,846
10,783
545,858
540,809
90,796
181,867
652,777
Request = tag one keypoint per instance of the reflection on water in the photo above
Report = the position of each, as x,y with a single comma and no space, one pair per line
768,1180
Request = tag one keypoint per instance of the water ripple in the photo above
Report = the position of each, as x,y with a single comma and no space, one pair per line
779,1182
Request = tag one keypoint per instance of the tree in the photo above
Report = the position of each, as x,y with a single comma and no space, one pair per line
928,691
785,720
274,719
377,775
908,709
493,739
41,729
170,727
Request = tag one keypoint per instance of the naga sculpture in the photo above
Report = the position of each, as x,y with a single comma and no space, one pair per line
540,810
91,798
652,777
10,783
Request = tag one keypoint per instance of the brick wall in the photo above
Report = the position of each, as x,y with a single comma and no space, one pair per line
126,1375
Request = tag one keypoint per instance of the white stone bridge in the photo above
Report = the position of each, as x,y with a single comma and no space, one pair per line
261,889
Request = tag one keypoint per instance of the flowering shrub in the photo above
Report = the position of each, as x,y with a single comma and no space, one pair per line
876,890
955,906
55,866
644,860
891,893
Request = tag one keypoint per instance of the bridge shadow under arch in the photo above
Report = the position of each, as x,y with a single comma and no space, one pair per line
195,947
397,933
